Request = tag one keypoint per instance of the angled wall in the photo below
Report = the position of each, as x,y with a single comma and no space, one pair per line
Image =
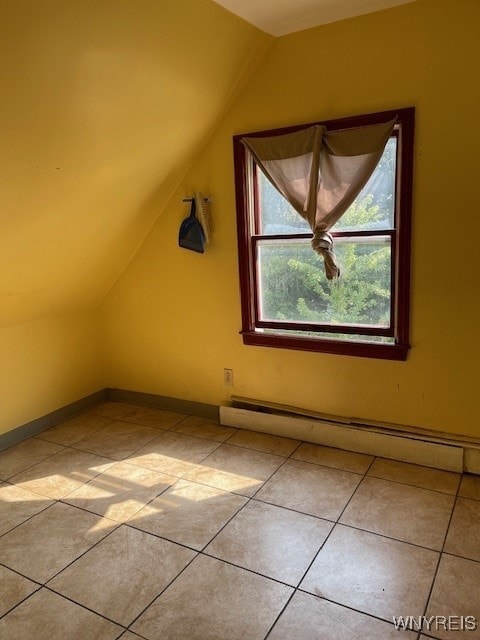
103,105
171,322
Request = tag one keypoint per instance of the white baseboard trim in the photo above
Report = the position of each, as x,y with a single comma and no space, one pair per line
404,446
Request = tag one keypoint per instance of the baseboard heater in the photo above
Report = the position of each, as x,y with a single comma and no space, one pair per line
407,444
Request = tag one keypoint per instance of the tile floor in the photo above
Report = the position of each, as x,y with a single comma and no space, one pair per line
133,522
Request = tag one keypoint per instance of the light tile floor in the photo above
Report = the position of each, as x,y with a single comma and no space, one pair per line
133,522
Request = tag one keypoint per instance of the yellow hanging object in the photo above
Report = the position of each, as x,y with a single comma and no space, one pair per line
203,216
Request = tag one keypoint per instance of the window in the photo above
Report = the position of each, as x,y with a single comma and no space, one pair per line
287,301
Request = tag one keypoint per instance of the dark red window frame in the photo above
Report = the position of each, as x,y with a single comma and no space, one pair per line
245,195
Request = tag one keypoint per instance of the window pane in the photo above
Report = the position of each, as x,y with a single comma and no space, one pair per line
372,209
374,206
276,215
292,286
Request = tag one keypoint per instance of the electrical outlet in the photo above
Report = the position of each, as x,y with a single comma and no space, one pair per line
228,377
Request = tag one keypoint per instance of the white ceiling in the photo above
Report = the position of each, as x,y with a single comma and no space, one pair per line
279,17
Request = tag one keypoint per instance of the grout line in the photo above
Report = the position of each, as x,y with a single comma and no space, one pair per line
382,535
316,555
84,606
416,486
41,434
53,501
84,552
35,463
242,568
302,513
346,606
39,586
2,564
162,591
440,556
249,499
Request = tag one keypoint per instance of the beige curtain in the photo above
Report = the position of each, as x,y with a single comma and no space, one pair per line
320,173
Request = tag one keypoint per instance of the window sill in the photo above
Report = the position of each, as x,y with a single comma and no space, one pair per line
358,349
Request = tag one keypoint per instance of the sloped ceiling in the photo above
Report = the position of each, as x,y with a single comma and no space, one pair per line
280,17
103,105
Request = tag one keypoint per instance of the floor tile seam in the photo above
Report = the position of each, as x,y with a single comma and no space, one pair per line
215,422
353,493
35,463
72,447
316,556
285,460
43,495
456,555
79,448
194,482
30,517
302,513
289,457
84,606
212,486
253,499
243,568
64,500
298,589
360,473
320,549
346,606
323,466
387,537
459,497
219,444
185,417
147,426
238,429
196,551
135,466
161,537
161,592
117,525
435,574
300,442
199,437
41,434
468,498
136,633
38,587
91,411
210,439
22,575
202,550
242,446
248,501
280,614
414,486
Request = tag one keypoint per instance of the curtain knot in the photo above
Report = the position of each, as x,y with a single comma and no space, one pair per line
322,243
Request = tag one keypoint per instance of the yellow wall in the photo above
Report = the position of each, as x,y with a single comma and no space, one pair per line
103,104
45,365
171,323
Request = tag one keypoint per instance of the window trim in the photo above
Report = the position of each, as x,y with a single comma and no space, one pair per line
401,250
